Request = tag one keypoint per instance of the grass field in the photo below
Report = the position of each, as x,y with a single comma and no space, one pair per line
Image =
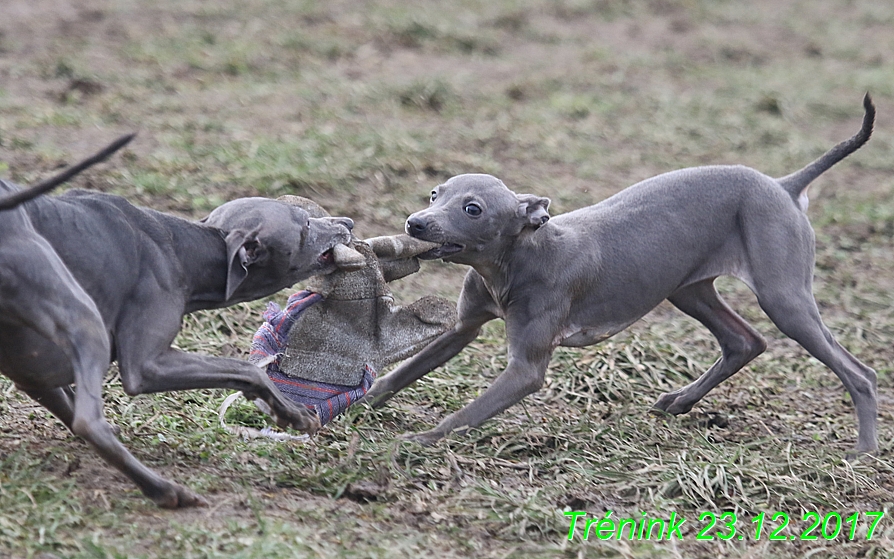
364,107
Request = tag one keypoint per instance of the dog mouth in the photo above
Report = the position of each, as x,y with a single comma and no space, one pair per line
342,257
347,259
327,258
443,251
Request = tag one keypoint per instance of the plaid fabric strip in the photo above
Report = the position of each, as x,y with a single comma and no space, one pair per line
271,338
329,400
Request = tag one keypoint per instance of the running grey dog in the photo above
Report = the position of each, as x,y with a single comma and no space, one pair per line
110,281
584,276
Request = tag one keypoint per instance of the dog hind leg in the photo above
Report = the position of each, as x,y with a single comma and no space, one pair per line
781,263
59,401
64,314
90,425
739,343
795,313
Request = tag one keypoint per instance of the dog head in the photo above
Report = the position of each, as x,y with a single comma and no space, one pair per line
474,216
272,245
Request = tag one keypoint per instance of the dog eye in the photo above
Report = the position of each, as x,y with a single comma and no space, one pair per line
434,196
473,209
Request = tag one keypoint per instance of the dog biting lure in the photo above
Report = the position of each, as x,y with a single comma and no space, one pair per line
325,348
347,259
88,277
581,277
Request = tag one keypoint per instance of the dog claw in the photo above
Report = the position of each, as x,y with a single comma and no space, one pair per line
857,453
311,426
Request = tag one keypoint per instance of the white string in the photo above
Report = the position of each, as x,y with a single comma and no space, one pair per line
250,432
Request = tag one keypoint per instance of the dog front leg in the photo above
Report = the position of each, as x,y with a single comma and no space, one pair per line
522,376
474,308
435,354
174,370
530,330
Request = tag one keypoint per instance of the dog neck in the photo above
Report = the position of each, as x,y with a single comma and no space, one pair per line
501,264
205,264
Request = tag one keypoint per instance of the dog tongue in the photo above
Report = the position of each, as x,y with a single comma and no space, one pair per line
347,259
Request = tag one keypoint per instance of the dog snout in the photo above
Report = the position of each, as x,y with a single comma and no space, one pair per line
415,226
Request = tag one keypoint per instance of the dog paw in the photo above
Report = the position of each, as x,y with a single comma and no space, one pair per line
297,418
673,403
175,496
856,454
425,438
308,422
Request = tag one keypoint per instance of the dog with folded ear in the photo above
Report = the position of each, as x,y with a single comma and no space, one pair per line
581,277
120,282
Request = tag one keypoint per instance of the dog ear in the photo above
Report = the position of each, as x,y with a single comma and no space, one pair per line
533,209
243,250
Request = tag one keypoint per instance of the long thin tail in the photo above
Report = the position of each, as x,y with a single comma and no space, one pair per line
796,182
46,185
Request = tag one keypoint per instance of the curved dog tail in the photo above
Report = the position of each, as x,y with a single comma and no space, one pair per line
796,183
46,185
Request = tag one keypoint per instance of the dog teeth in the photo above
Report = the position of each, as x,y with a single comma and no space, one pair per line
347,259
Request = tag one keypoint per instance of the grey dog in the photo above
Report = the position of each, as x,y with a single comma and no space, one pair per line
110,281
584,276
